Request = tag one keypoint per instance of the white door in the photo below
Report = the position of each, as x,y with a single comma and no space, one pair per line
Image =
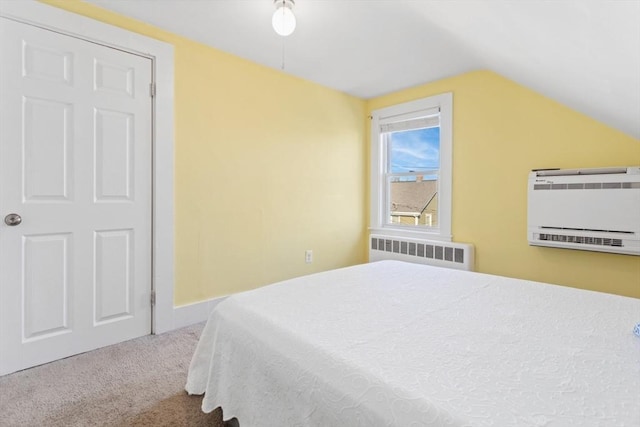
75,169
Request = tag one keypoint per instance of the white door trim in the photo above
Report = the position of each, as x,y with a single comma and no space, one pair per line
52,18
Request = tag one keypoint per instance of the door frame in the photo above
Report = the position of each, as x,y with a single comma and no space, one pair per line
34,13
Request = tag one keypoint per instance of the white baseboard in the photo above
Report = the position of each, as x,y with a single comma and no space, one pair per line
189,314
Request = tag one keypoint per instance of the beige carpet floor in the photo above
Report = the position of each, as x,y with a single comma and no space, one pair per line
135,383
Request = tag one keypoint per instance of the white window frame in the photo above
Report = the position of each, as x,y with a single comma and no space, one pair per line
162,55
378,190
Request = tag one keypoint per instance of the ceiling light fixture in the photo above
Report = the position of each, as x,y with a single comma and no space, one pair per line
284,21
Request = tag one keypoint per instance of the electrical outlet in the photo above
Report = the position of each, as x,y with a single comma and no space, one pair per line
308,256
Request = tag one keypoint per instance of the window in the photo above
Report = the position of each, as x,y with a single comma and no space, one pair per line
411,146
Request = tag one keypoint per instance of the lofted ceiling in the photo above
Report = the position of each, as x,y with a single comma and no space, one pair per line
582,53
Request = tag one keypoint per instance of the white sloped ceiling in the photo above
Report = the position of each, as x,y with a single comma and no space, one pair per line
582,53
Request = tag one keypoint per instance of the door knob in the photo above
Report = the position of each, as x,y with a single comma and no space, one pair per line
12,219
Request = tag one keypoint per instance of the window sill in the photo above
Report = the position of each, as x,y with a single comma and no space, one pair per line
405,232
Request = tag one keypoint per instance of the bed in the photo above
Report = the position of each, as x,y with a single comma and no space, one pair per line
398,344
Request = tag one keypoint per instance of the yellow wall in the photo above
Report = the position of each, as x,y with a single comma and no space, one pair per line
501,131
267,165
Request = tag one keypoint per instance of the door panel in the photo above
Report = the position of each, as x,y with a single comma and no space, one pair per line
47,63
114,79
46,149
75,164
113,275
114,155
46,285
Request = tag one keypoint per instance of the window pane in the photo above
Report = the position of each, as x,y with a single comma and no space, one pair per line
413,200
414,150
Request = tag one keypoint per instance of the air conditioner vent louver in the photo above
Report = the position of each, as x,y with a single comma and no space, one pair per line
445,254
588,186
584,240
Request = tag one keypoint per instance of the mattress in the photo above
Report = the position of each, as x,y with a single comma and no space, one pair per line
398,344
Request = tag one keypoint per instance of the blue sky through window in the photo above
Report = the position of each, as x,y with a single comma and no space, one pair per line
415,150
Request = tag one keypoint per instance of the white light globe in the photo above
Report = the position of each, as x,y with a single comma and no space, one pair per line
283,21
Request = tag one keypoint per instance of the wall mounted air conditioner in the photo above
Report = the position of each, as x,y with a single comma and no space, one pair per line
588,209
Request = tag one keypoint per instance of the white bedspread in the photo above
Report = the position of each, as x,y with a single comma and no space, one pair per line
398,344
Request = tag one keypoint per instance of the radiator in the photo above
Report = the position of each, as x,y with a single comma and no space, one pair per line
442,254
